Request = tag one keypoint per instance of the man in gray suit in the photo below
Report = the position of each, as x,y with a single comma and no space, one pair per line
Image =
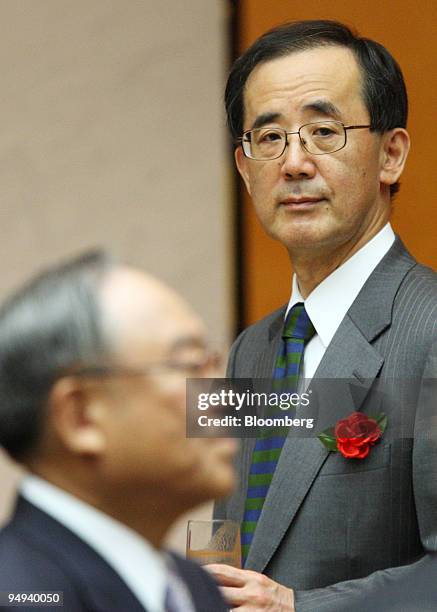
320,115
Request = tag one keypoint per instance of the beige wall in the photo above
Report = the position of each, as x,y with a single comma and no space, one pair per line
112,134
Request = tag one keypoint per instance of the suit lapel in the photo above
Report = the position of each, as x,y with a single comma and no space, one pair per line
353,361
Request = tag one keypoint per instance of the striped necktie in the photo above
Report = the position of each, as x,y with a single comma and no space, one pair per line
297,331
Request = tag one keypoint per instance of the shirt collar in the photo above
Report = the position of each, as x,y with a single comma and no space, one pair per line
329,302
141,566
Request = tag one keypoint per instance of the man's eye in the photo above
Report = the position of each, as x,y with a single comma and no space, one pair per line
269,136
324,132
189,366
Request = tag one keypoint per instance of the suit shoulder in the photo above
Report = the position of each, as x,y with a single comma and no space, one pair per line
23,567
426,274
251,339
263,325
418,291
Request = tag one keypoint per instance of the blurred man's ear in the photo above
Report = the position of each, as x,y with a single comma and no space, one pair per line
76,414
394,152
242,166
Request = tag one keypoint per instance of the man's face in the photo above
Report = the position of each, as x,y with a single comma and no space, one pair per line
305,201
145,427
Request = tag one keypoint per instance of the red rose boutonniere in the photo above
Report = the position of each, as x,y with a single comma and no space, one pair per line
354,435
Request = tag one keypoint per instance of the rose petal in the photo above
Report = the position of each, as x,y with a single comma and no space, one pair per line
357,417
348,450
342,430
364,452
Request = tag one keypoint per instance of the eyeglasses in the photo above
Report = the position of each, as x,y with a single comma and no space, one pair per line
317,138
190,368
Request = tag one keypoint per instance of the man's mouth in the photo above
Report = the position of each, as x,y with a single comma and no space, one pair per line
300,202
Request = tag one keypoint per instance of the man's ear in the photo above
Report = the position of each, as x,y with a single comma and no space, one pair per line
77,415
395,147
242,165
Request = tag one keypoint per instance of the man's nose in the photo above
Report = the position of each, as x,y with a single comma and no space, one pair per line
297,163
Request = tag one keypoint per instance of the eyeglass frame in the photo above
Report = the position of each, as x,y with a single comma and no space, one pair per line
286,143
212,358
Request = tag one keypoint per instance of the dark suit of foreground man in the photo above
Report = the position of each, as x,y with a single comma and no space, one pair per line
319,116
93,361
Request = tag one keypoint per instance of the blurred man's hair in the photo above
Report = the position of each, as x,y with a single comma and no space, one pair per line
384,91
51,324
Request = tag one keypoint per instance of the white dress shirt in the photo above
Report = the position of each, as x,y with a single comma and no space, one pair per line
329,302
134,559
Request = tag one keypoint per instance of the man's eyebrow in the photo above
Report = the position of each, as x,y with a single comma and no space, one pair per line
264,119
323,107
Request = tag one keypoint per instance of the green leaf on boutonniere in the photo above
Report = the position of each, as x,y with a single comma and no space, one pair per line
382,422
327,438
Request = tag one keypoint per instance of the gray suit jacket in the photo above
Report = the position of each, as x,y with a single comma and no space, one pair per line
328,519
409,589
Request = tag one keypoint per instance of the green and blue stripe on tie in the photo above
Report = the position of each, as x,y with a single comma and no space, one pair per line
297,331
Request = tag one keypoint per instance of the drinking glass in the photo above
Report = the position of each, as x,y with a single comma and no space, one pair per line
214,541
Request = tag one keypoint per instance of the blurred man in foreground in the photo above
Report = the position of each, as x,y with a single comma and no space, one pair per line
93,362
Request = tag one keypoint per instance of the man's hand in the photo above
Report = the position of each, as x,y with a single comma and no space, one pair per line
248,591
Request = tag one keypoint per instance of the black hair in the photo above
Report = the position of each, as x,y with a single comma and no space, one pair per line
49,325
384,90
